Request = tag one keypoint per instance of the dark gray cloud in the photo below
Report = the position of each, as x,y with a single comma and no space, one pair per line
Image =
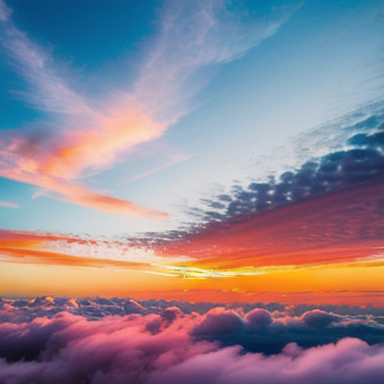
361,162
268,333
258,318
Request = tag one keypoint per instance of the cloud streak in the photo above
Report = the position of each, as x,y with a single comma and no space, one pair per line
193,36
8,204
51,249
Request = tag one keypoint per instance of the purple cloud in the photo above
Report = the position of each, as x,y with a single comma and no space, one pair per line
350,361
171,346
259,318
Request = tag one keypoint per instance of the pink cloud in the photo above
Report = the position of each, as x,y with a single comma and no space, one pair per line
350,361
76,193
88,138
68,348
85,138
51,249
258,318
111,349
8,204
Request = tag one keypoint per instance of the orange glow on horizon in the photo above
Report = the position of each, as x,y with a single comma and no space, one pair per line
295,253
353,284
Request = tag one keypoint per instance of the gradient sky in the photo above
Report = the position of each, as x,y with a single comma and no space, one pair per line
170,148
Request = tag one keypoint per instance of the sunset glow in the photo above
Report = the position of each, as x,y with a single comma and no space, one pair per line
191,191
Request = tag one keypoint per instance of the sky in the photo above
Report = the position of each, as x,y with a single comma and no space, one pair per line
192,191
189,150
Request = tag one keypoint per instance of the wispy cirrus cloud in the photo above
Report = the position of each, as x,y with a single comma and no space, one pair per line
83,137
89,137
8,204
194,35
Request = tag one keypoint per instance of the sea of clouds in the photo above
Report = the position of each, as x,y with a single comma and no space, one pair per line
63,340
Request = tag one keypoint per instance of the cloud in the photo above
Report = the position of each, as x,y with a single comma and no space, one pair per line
264,223
254,327
76,193
302,235
253,315
194,35
264,332
350,361
51,249
8,204
39,257
174,159
219,321
319,319
258,318
162,347
121,350
89,135
84,138
48,91
358,160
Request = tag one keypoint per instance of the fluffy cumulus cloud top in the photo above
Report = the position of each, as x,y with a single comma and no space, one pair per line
349,361
156,343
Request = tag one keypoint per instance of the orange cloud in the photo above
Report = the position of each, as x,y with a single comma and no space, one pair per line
30,248
53,168
39,257
121,128
76,193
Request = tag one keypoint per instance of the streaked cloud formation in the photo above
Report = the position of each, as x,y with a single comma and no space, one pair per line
82,136
52,249
195,35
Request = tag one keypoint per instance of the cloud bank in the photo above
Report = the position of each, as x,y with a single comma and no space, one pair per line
153,343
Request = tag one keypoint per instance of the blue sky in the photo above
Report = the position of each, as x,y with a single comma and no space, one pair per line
175,102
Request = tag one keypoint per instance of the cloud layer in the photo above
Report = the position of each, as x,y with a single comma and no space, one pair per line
153,343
